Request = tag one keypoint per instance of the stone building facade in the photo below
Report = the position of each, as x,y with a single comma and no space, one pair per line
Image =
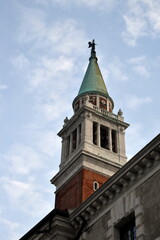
99,195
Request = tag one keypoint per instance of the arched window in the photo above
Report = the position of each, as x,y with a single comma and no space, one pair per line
95,185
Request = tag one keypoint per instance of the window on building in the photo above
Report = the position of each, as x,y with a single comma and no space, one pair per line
103,103
93,100
114,141
95,185
74,140
95,133
83,101
104,137
128,230
76,108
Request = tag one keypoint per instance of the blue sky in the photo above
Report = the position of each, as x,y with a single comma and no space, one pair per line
43,57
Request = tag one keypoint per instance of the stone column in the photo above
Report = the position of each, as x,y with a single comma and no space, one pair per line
98,105
71,144
107,105
110,139
98,135
116,142
67,148
78,136
63,151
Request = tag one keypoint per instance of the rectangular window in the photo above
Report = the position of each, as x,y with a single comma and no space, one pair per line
95,133
128,231
74,140
104,137
114,141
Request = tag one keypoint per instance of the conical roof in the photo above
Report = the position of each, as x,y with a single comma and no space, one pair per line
93,80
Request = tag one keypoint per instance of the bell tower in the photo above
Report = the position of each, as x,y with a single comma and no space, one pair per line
93,141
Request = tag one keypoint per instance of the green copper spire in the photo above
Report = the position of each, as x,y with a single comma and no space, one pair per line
93,81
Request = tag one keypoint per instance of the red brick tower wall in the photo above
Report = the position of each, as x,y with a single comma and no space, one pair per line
70,195
88,178
78,189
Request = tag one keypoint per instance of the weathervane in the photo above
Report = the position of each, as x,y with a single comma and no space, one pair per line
92,45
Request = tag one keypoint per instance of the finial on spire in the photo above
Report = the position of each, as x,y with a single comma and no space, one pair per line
92,45
93,52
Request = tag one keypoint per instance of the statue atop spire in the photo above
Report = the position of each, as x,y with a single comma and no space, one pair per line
92,45
93,52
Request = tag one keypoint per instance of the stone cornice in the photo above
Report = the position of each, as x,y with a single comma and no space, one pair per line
77,154
108,115
70,121
135,169
94,110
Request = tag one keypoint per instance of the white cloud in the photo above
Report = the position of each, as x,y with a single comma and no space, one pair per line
134,102
117,70
52,111
46,142
64,36
20,61
48,70
61,64
12,228
137,60
99,4
32,26
139,65
48,73
45,75
3,86
141,70
135,27
91,4
48,78
142,19
51,67
22,159
67,37
135,139
11,225
27,196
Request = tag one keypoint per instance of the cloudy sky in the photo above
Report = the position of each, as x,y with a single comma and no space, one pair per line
43,57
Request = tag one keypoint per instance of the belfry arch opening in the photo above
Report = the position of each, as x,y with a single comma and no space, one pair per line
104,137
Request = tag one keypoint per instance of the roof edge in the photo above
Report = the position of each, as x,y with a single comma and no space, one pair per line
53,213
